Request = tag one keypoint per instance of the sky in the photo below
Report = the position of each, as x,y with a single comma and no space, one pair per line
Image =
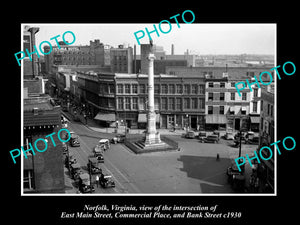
197,38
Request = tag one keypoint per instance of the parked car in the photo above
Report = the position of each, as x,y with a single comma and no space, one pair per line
229,136
98,150
237,136
251,138
201,135
106,181
211,139
119,138
104,143
94,165
190,134
74,140
85,185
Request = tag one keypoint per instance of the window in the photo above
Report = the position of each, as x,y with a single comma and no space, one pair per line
164,89
127,88
164,103
156,88
171,89
221,110
134,103
194,103
244,96
194,88
271,113
201,89
156,103
210,109
210,96
142,88
255,92
120,103
142,104
222,85
201,103
178,88
127,102
254,106
211,84
171,103
134,88
186,103
232,96
28,182
222,96
111,89
120,88
178,103
186,89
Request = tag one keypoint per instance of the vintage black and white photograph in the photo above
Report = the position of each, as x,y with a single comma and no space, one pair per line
149,109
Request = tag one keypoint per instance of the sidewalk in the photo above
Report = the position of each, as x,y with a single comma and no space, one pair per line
91,124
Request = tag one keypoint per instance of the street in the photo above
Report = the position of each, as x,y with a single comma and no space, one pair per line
193,169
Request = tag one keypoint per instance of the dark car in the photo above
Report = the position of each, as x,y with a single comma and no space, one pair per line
211,139
119,138
190,134
106,181
74,140
94,165
201,135
85,184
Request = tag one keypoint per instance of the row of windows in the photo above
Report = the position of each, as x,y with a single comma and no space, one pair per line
213,96
162,89
133,103
221,110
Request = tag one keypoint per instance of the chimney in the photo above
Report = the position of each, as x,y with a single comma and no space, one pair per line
134,58
172,49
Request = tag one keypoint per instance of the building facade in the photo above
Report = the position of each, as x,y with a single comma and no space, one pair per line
267,136
121,59
92,54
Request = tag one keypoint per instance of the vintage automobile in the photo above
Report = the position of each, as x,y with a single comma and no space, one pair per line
235,177
84,183
201,135
119,138
251,138
70,159
104,143
229,136
98,150
210,139
94,165
106,181
75,170
190,134
74,140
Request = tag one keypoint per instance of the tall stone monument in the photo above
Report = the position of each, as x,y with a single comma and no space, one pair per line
152,136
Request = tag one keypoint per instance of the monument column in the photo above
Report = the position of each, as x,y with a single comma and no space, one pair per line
152,136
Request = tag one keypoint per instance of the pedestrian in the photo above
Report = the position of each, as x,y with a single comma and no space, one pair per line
256,185
97,180
218,157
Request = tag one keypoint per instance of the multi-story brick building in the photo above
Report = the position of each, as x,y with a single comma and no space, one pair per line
121,59
267,136
92,54
179,101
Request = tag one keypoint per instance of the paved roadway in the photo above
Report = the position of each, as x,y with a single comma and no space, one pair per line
193,169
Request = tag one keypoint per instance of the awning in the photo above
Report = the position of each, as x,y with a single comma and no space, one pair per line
105,116
142,118
216,119
254,119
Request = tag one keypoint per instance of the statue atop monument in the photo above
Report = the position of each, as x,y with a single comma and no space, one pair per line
151,46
